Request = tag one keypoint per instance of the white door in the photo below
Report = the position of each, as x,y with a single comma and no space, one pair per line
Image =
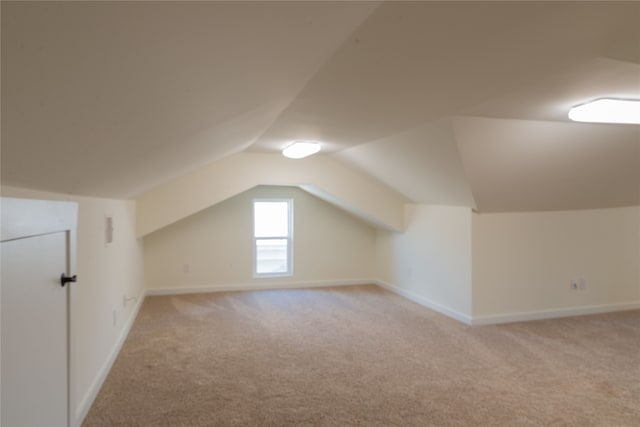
36,381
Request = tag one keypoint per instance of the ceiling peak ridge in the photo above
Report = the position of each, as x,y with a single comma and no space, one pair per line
323,63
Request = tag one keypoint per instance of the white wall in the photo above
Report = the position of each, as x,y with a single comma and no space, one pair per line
431,261
330,245
523,263
105,273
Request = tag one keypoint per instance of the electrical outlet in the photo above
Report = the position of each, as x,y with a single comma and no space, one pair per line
185,268
583,284
574,284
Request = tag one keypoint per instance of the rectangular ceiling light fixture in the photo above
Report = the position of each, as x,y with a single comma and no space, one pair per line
607,110
301,149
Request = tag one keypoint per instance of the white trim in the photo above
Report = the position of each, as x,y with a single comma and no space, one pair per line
510,317
26,217
426,302
72,238
555,313
262,286
288,238
84,405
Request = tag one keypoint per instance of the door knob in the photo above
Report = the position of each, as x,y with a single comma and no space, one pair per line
66,279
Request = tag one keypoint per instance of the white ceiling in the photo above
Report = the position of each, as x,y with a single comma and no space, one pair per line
111,99
521,165
460,103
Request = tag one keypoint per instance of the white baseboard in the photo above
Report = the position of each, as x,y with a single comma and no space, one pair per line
426,302
84,405
510,317
552,314
256,287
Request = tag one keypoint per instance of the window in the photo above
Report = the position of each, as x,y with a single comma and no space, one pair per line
273,237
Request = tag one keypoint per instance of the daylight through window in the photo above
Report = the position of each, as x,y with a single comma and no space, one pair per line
272,234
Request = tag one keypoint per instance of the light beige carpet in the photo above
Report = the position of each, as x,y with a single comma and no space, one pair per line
363,356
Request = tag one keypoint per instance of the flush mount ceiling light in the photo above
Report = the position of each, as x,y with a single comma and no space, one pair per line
607,110
300,149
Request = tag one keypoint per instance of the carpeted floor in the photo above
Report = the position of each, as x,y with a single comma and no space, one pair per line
363,356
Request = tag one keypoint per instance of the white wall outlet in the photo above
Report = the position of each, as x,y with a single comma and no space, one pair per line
574,284
185,268
583,284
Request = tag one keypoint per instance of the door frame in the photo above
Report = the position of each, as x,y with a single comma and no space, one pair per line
22,218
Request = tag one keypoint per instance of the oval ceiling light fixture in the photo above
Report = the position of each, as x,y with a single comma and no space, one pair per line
607,110
301,149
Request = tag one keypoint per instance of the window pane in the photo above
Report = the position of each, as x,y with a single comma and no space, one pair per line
271,256
271,219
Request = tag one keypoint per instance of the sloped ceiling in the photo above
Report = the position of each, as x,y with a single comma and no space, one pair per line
113,98
460,103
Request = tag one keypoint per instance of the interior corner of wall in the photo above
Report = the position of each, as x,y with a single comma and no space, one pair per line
409,214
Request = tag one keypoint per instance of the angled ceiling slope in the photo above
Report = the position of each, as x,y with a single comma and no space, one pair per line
423,164
392,100
327,179
445,102
113,98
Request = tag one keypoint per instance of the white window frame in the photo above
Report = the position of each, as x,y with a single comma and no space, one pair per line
288,238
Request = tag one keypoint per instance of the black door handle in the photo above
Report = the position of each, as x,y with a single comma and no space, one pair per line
66,279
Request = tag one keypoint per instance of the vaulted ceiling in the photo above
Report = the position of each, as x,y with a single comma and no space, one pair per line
460,103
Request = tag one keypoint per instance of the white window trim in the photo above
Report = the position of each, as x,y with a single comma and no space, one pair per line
289,239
